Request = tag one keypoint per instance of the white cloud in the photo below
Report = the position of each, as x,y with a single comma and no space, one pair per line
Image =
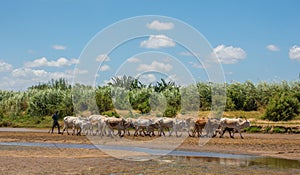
27,72
147,78
158,41
272,47
21,78
196,65
294,53
102,57
229,54
156,25
155,66
133,60
189,54
59,47
104,68
58,63
229,73
172,78
5,67
77,71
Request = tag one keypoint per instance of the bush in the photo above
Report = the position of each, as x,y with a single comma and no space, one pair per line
282,107
268,128
253,129
278,130
111,113
170,112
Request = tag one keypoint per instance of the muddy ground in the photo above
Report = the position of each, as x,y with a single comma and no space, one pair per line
39,160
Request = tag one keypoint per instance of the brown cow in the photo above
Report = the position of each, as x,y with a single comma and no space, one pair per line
199,125
115,123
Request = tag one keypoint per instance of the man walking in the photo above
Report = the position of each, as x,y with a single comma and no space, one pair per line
55,122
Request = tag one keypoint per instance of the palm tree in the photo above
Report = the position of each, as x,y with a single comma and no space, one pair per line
127,82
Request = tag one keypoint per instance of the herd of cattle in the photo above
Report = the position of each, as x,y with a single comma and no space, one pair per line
103,125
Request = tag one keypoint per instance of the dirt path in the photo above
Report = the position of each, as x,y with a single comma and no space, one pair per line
276,145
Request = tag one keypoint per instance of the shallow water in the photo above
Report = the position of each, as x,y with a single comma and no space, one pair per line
167,156
129,148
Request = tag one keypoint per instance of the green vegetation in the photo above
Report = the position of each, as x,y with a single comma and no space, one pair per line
278,130
34,107
283,106
253,129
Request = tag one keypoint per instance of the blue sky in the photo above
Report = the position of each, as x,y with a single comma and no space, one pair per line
254,40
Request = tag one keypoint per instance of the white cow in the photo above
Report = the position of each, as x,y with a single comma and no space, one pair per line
68,123
180,126
81,124
154,126
102,125
165,123
94,120
141,125
212,127
235,124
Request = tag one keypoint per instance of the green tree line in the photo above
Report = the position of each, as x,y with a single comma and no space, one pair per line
279,100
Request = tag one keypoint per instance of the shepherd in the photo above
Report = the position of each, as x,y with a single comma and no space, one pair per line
55,117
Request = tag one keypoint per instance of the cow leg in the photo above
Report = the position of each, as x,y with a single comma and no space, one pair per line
73,130
170,132
136,132
222,130
120,133
67,131
200,131
110,132
145,133
141,131
158,132
128,133
239,130
188,132
231,134
79,133
193,132
63,131
163,132
102,132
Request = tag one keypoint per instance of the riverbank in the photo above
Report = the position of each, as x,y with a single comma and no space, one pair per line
57,160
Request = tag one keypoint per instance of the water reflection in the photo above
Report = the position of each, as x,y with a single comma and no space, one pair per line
269,162
276,162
